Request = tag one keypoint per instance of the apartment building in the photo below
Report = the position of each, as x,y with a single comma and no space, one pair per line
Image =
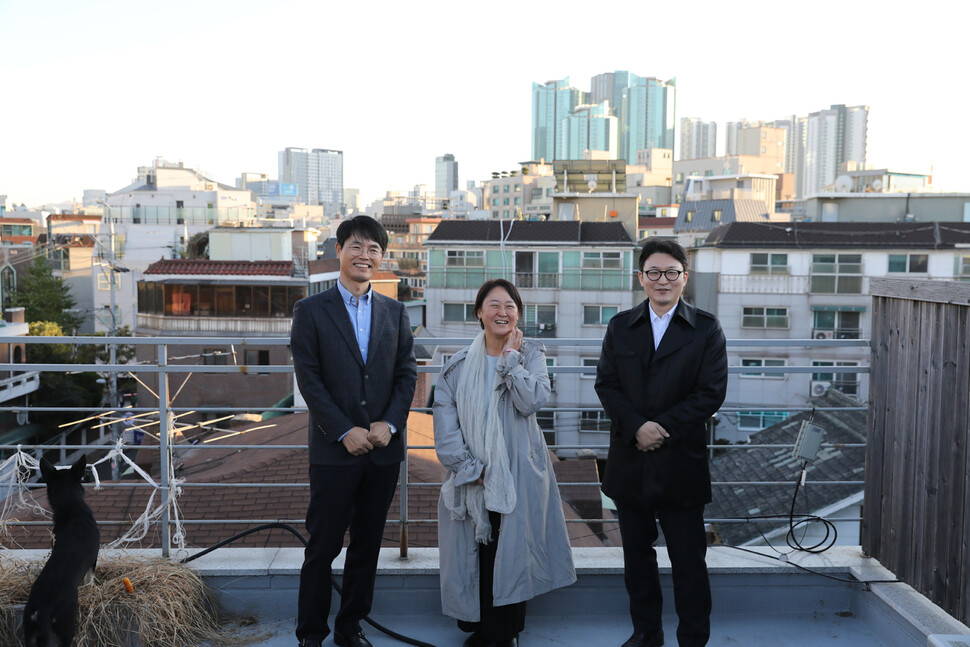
808,281
573,277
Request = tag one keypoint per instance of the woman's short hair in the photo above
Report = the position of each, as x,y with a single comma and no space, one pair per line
490,285
365,227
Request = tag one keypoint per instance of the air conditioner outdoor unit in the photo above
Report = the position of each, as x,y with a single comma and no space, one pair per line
819,387
824,334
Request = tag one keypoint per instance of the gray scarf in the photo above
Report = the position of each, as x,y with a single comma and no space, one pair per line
480,420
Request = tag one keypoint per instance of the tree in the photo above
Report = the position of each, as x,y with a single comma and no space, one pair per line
45,297
57,388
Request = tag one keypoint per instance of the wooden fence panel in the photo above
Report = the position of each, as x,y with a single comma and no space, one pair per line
917,457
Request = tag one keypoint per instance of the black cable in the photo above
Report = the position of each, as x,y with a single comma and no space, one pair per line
823,544
333,582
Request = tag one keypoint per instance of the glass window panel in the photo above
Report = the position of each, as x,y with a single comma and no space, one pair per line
207,298
919,263
897,262
244,301
277,301
261,301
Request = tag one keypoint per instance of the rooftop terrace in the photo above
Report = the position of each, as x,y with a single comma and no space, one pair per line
914,521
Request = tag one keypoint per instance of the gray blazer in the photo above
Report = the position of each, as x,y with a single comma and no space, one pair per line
340,390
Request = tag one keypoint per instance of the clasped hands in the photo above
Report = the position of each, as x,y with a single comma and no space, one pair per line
650,436
359,441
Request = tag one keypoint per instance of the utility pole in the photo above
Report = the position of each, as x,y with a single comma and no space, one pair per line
113,347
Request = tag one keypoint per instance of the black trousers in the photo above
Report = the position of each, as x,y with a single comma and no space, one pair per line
497,623
687,547
341,497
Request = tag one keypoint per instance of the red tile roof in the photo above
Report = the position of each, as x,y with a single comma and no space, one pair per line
221,268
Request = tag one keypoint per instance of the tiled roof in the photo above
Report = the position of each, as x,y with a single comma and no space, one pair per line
768,464
699,215
221,268
529,231
919,235
247,503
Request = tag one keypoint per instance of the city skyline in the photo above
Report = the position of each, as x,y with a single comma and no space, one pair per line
97,89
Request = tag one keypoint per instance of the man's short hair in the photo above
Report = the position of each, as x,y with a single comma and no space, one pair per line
662,246
490,285
365,227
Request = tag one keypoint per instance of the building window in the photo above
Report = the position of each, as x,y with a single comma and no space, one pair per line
589,363
690,216
106,277
505,201
459,313
680,178
594,422
837,325
769,263
758,317
717,215
257,358
550,362
216,357
836,274
848,383
518,187
598,315
912,263
464,258
505,189
963,267
517,200
602,260
761,362
758,420
540,321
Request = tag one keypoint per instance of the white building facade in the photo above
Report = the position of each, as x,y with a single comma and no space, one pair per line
572,276
808,281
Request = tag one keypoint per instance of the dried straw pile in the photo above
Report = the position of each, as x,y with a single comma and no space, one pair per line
170,606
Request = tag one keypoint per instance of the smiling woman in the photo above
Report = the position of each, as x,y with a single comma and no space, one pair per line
487,435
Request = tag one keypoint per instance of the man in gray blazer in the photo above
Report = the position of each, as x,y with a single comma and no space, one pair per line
353,352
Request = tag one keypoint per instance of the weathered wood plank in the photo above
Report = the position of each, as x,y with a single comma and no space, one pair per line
955,292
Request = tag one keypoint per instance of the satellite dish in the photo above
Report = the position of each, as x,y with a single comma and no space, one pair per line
876,185
843,184
590,180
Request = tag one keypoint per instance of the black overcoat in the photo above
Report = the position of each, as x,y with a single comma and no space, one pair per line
680,385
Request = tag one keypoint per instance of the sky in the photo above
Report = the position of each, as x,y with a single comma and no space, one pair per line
92,89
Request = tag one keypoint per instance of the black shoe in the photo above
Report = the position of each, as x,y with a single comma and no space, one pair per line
511,642
351,640
640,640
311,642
475,640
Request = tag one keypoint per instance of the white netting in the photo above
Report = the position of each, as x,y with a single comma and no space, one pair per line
15,471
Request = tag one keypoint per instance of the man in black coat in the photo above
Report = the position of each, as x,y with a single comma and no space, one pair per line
661,375
353,353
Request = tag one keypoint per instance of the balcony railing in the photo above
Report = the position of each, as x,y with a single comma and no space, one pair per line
165,414
572,279
217,325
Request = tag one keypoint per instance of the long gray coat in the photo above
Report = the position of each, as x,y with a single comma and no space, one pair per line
533,548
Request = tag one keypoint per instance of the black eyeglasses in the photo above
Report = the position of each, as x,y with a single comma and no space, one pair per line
654,275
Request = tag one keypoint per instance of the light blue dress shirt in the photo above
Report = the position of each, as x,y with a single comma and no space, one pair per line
359,311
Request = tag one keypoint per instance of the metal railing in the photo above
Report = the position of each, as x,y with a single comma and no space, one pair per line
168,413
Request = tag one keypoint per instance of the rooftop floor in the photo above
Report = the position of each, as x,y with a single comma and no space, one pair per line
758,600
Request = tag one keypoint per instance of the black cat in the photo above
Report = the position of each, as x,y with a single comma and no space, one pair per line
51,608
